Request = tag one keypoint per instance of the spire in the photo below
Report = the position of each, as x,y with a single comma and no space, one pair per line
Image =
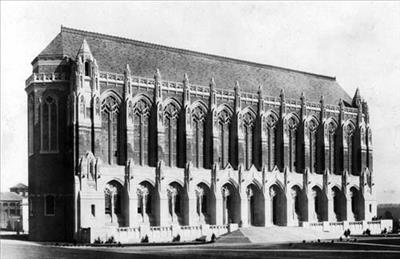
186,91
157,86
260,99
84,50
341,104
302,97
260,90
212,84
357,98
237,96
213,98
157,75
303,106
237,87
282,94
185,79
127,85
127,70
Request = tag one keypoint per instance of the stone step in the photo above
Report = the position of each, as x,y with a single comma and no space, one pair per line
276,235
234,237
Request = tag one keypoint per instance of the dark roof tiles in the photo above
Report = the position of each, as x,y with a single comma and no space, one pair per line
113,53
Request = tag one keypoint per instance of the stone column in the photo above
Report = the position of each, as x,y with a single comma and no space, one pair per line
133,220
349,211
291,210
219,210
145,217
225,212
312,214
191,205
172,192
269,207
199,195
331,206
249,194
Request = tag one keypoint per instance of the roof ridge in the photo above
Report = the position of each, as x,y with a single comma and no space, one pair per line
186,51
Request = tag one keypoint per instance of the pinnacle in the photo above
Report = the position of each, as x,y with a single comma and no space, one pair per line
84,49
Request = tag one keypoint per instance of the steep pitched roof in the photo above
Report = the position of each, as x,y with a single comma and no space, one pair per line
10,196
113,53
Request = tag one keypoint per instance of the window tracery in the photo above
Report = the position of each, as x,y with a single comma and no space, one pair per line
248,127
140,113
312,130
171,114
49,126
349,130
224,123
198,126
292,127
270,131
331,145
110,130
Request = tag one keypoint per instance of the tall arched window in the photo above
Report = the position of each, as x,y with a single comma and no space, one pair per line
198,124
110,123
171,114
224,123
331,146
30,124
270,131
312,138
349,130
248,128
141,112
49,125
292,126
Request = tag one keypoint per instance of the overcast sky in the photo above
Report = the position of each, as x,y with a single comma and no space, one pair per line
356,42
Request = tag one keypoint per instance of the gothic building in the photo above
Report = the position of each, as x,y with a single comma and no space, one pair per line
124,133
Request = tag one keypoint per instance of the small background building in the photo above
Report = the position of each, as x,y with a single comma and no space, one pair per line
390,211
14,208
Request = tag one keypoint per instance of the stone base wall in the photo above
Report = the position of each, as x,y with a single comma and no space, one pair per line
157,234
355,227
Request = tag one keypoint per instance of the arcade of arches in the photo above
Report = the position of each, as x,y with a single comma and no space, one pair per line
252,206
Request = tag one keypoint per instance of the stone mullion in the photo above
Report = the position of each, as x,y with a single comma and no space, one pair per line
350,154
345,153
160,138
329,154
264,153
292,150
286,154
363,150
141,141
240,132
222,146
263,146
188,136
198,141
332,154
307,149
215,139
170,142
